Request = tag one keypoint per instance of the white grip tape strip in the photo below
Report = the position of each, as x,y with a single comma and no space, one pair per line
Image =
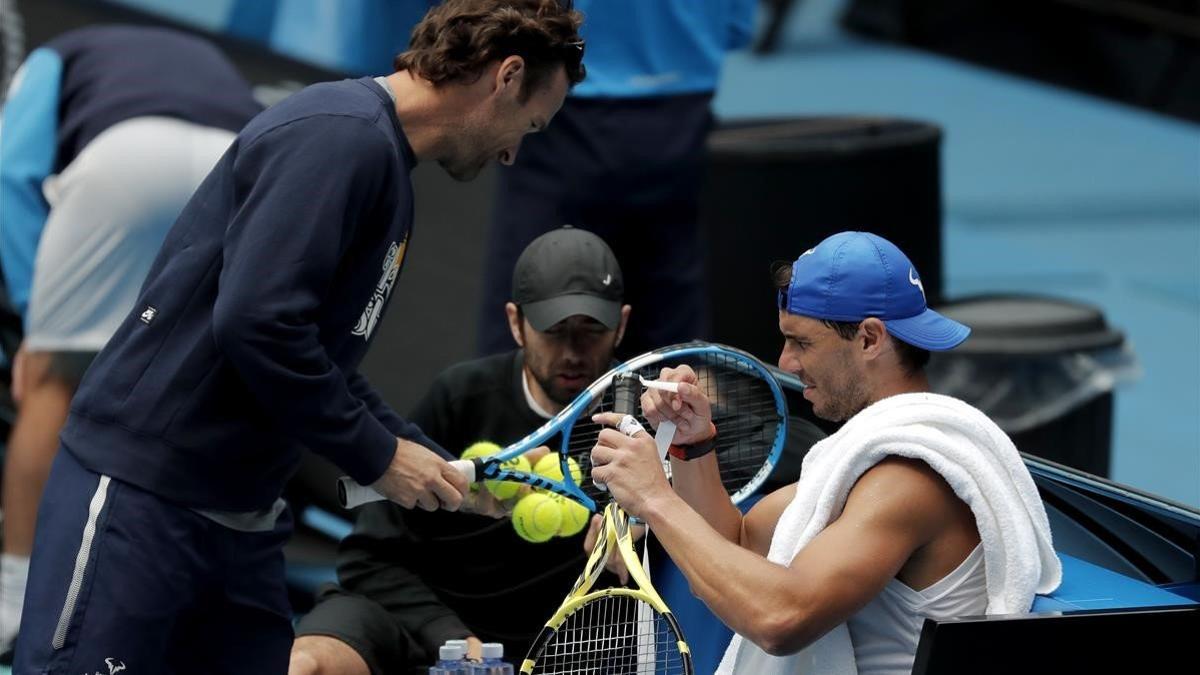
663,440
672,387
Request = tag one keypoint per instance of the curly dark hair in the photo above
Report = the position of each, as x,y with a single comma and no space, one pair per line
912,358
458,39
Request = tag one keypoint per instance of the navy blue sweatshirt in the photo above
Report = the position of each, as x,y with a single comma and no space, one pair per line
244,343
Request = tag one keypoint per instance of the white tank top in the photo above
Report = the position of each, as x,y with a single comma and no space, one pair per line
885,632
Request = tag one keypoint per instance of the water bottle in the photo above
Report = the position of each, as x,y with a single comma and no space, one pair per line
450,661
463,644
492,662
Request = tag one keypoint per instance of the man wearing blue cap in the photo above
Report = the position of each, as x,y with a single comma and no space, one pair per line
919,506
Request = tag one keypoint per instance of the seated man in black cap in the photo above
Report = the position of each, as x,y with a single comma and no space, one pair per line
411,580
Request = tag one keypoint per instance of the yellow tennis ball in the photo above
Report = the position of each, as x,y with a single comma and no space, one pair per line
480,449
537,517
548,461
574,516
506,489
549,467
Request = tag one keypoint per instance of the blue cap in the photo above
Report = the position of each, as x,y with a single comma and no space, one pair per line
854,275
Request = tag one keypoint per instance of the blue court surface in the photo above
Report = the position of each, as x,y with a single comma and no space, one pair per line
1045,190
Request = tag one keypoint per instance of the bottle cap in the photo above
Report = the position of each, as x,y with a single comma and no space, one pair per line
450,652
493,650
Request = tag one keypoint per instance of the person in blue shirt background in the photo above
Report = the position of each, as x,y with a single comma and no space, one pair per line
106,133
159,538
633,136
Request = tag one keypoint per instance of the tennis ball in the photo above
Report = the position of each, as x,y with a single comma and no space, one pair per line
549,467
480,449
574,516
506,489
537,517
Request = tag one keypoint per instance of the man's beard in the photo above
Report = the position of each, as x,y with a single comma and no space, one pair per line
848,402
559,395
845,398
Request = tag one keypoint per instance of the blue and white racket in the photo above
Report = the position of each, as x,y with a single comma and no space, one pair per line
748,407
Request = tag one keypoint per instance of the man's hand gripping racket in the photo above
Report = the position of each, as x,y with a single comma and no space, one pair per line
746,403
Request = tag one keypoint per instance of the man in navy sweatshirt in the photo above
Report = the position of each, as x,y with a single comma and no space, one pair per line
158,544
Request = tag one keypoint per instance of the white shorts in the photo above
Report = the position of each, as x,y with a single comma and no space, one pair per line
110,210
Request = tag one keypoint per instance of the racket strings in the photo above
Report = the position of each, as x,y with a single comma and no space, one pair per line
613,635
747,416
744,409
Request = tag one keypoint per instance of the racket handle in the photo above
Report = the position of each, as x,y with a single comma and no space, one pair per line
351,494
626,391
468,468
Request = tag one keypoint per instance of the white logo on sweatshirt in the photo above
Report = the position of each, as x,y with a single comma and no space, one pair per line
391,270
113,668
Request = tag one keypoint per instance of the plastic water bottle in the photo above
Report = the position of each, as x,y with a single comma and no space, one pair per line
450,661
464,645
492,662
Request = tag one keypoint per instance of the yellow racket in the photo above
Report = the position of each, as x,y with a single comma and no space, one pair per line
611,630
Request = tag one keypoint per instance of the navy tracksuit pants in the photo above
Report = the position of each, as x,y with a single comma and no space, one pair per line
124,581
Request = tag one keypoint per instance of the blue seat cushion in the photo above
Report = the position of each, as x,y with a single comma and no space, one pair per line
1088,586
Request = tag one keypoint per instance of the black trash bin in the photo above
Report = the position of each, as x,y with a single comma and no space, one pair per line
1044,369
777,187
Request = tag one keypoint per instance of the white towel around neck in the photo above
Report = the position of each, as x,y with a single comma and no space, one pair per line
980,464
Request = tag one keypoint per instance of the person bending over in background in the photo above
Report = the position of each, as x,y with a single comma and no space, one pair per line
107,131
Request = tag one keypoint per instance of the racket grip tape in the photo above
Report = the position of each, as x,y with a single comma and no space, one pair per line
626,391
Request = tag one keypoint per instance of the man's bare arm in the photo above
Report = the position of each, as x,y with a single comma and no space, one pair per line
758,525
894,509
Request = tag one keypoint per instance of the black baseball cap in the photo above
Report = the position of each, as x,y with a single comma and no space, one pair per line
567,272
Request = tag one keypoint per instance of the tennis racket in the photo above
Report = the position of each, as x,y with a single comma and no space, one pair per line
748,406
612,630
620,630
